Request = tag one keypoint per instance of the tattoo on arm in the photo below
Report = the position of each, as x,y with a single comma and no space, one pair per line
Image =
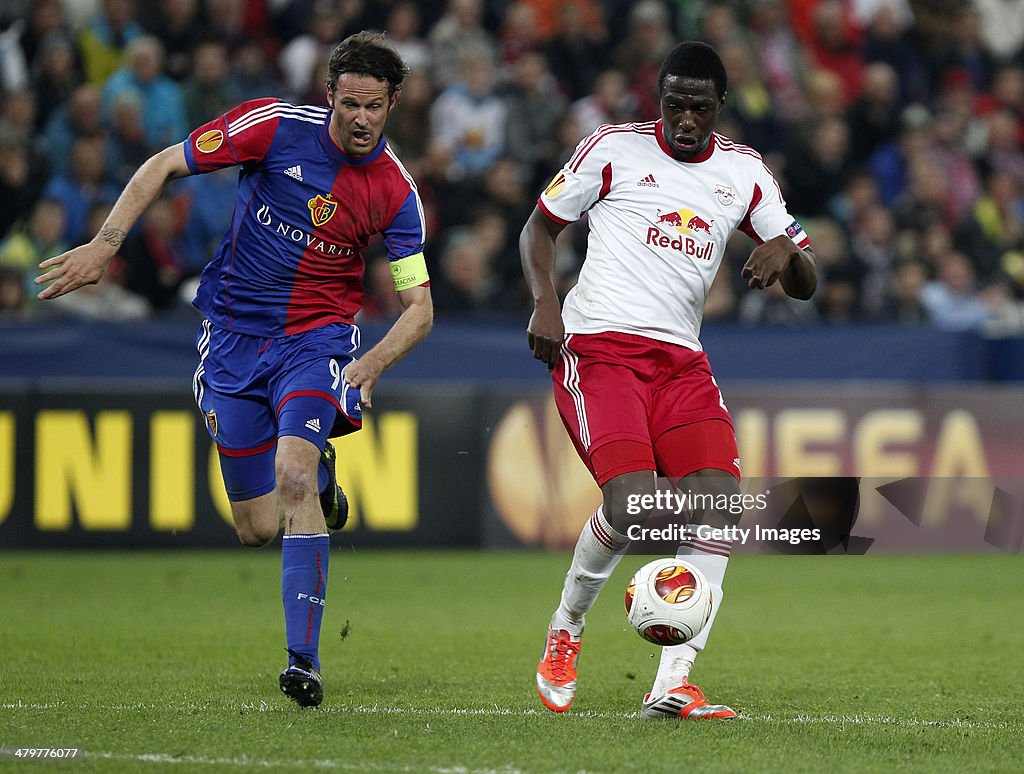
113,236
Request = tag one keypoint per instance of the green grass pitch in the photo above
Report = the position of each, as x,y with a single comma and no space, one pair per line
168,661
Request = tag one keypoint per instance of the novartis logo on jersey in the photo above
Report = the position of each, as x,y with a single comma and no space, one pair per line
299,236
684,221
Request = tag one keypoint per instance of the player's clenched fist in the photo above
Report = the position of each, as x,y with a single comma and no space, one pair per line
545,333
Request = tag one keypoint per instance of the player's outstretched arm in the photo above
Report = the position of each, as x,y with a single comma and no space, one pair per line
780,260
85,265
411,327
545,332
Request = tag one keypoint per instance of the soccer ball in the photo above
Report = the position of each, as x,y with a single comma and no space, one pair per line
668,601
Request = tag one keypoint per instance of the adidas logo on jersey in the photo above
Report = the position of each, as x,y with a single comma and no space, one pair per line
313,424
648,182
295,172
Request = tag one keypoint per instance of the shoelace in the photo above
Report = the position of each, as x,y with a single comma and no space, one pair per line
694,691
562,651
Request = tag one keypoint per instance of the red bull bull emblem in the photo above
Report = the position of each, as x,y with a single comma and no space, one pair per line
322,209
725,194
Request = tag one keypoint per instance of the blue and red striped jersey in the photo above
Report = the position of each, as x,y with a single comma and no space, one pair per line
291,260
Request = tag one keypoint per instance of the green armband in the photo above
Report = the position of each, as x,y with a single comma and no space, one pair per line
409,272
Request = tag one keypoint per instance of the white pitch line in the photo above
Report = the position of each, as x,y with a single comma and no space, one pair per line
264,763
496,711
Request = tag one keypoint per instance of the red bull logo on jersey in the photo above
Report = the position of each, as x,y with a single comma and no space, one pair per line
322,209
685,221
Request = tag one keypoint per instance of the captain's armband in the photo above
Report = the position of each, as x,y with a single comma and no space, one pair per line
409,272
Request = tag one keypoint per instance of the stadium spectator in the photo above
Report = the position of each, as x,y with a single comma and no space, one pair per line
235,21
157,259
887,40
952,299
751,108
774,307
23,175
252,73
639,55
33,242
1004,150
965,52
301,59
55,75
906,305
781,59
858,195
459,34
576,49
208,91
890,164
873,118
80,116
467,286
611,102
159,96
533,108
873,254
834,45
12,294
950,134
403,28
179,26
819,171
518,36
207,202
381,302
410,116
927,200
126,146
45,20
1002,27
83,187
470,117
104,40
995,225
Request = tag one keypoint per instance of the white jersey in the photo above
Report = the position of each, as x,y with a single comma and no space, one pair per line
658,227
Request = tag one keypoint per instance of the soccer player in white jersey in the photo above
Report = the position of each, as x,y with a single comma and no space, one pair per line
631,382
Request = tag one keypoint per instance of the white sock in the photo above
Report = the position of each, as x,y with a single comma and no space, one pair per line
598,551
711,557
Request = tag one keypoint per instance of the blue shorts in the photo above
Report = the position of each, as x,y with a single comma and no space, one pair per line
253,390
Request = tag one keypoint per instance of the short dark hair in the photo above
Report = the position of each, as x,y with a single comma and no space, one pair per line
693,59
367,53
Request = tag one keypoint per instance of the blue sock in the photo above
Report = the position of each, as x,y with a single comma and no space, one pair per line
303,589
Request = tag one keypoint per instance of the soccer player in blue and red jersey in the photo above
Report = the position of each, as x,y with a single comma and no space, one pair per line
277,374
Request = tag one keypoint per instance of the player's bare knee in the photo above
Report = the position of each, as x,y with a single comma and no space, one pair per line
625,503
255,536
295,482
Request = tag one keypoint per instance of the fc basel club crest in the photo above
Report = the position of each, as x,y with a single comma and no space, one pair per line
321,209
211,420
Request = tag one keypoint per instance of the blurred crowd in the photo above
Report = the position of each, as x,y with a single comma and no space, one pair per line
895,127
